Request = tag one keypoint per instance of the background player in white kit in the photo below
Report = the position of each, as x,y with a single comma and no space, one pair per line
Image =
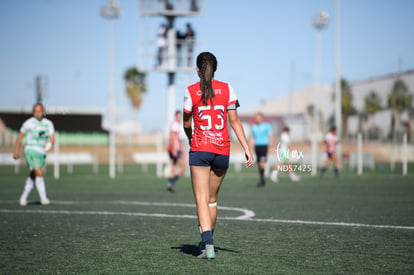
331,140
283,151
40,138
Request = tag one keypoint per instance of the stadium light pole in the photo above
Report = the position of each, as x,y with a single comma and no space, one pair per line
111,11
320,21
338,97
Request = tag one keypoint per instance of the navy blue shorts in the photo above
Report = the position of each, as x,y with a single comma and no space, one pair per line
175,159
207,159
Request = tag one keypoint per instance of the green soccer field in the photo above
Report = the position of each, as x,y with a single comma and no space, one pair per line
353,225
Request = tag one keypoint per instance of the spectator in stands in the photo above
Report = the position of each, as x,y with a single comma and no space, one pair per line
194,6
189,38
39,132
167,4
179,42
161,43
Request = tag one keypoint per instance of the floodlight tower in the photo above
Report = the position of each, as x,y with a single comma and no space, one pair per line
338,98
177,54
320,21
111,11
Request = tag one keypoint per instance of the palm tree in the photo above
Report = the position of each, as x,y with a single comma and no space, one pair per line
347,107
135,85
372,105
399,100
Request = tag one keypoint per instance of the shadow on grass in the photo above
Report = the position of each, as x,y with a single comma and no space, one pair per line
195,250
34,203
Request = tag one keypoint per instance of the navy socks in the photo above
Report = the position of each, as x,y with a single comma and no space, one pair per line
207,237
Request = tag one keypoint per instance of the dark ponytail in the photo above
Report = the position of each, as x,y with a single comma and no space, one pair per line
207,65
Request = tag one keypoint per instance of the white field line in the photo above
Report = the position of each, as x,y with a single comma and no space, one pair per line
328,223
247,214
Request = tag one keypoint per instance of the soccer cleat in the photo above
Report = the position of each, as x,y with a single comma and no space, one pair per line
294,177
208,253
170,187
261,183
45,201
273,176
23,202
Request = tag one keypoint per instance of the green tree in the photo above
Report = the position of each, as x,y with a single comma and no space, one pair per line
135,85
347,107
372,105
399,100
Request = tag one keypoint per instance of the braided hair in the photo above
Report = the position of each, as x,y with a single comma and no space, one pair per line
207,65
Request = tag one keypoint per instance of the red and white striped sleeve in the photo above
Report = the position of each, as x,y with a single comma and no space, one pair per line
188,102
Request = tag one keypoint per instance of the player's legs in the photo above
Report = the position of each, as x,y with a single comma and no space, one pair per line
275,172
261,156
336,164
181,163
200,177
36,161
28,187
284,166
172,170
326,164
40,186
171,176
206,246
207,173
292,175
216,178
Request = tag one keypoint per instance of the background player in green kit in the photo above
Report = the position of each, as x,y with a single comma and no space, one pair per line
40,138
283,152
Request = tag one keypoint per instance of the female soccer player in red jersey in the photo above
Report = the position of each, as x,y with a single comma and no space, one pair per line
331,140
209,103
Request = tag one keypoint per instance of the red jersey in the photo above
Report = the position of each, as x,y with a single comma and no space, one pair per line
174,136
210,120
331,140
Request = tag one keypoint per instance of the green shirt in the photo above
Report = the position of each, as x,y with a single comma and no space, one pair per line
37,133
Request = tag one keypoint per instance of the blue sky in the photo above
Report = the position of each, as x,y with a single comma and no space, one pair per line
257,44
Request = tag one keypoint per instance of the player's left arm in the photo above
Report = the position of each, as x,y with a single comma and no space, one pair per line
51,142
237,127
49,145
271,145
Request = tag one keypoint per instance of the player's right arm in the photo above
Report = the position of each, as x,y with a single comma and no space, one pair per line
23,130
187,123
16,153
187,117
